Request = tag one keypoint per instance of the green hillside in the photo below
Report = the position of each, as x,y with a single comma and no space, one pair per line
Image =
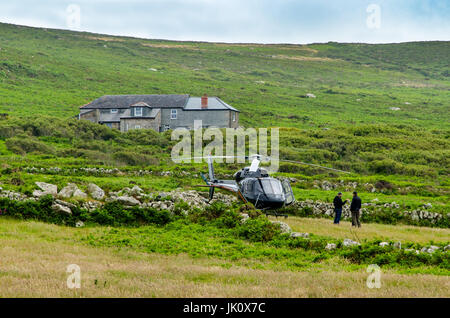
53,72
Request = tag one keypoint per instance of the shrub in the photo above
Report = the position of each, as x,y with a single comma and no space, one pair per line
259,229
23,145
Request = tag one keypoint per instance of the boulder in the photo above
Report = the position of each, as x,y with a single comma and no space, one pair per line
349,242
136,190
245,217
126,200
79,224
64,203
447,248
432,249
68,190
61,208
47,188
330,246
310,95
79,194
95,191
296,234
283,226
38,193
383,244
398,245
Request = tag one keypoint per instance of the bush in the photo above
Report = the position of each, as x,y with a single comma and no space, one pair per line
259,229
134,159
23,145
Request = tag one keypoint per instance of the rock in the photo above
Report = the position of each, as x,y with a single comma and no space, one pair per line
283,226
126,200
432,249
428,206
412,250
349,242
68,190
245,217
38,193
383,244
47,188
64,203
79,224
136,190
375,200
61,209
95,191
79,194
398,245
296,234
310,95
447,248
330,246
394,108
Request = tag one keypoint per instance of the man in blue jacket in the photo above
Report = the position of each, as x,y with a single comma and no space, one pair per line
338,204
355,207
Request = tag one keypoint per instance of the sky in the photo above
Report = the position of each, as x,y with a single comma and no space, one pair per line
242,21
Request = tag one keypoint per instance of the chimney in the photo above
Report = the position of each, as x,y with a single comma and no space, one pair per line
205,101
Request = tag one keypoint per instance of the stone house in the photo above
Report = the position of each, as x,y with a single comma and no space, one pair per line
159,112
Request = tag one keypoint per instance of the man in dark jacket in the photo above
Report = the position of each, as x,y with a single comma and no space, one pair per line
355,207
338,204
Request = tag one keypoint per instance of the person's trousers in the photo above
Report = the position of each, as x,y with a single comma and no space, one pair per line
355,219
337,216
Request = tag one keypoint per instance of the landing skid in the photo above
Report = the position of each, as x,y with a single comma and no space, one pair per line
275,214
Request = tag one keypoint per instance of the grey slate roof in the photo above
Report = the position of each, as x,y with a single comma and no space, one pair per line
156,101
214,103
125,101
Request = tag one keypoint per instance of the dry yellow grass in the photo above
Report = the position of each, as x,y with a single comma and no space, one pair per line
305,58
402,233
34,258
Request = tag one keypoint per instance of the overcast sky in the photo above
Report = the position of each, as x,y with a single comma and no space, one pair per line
261,21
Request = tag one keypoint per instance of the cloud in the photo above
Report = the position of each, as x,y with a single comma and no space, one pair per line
262,21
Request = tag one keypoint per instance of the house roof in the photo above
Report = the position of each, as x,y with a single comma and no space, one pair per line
125,101
214,103
156,101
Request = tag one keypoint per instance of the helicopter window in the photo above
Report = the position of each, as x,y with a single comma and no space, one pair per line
272,186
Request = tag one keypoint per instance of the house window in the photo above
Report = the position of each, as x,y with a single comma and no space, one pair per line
234,116
173,114
138,111
166,127
137,127
114,111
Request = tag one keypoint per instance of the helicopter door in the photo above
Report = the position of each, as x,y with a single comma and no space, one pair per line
287,191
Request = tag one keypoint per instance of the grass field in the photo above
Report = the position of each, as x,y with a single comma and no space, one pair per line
35,257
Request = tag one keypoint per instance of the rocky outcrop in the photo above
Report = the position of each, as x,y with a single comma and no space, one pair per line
284,228
303,235
95,191
68,191
330,246
47,188
128,201
349,242
59,208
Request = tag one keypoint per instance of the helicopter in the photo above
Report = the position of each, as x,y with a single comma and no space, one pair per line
253,184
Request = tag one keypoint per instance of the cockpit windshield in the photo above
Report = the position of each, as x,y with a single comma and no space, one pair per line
272,186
